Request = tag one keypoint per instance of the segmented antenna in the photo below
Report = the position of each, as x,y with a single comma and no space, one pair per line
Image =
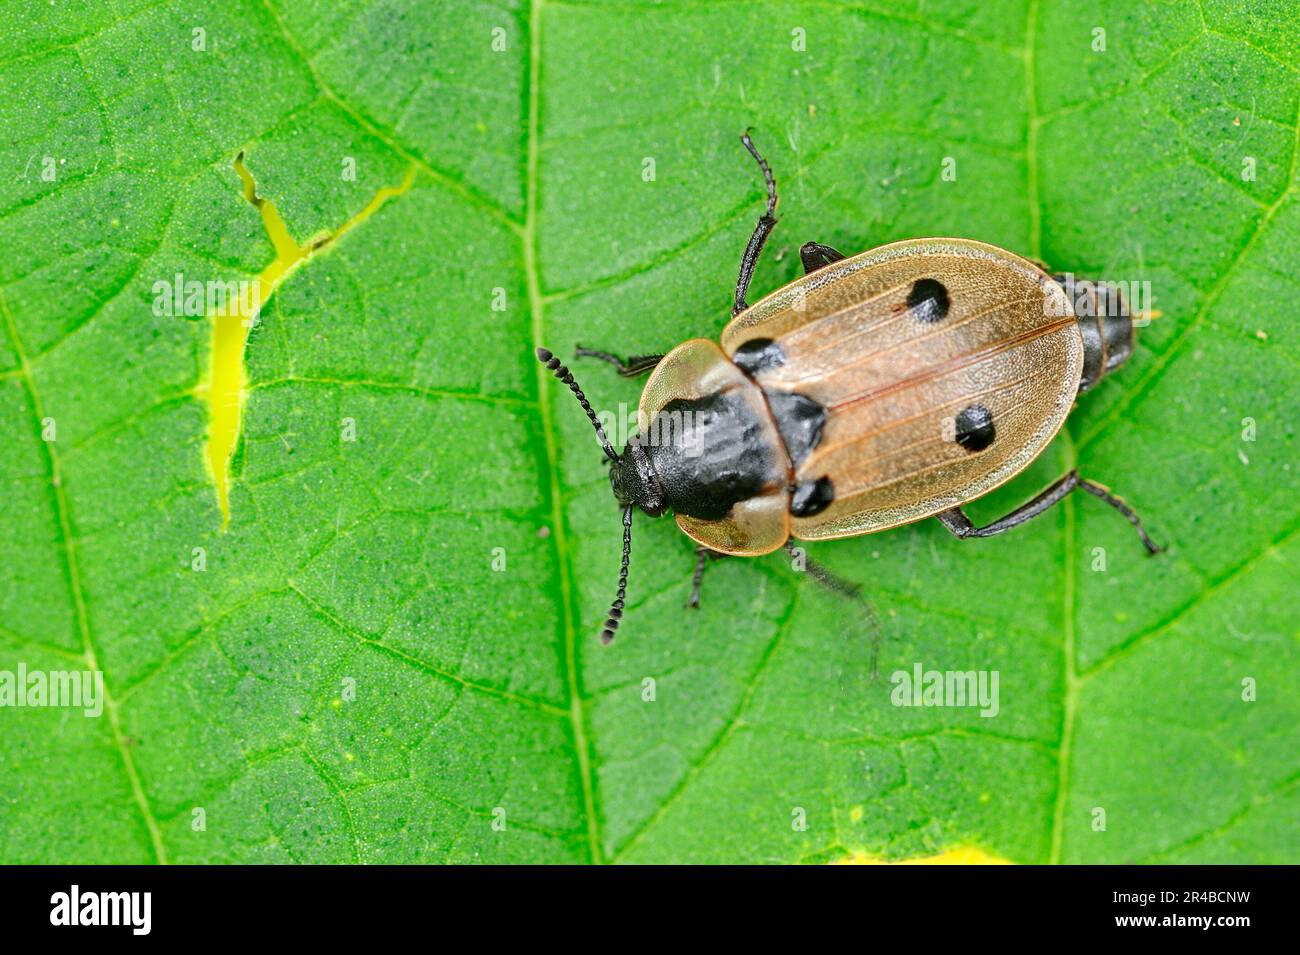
616,608
561,372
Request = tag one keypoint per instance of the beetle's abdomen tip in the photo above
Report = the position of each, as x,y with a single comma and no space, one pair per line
1105,323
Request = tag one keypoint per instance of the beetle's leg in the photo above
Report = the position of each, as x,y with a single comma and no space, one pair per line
816,256
764,228
847,589
702,556
634,366
961,527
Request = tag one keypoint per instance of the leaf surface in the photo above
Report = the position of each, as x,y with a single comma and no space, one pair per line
390,653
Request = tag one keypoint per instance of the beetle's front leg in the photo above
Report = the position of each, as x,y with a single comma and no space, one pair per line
960,525
634,366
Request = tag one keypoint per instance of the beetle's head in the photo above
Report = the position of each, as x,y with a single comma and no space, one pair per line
632,478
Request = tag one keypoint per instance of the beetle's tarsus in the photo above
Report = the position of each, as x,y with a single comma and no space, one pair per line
1098,491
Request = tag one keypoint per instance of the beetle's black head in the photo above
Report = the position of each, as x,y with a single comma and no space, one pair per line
632,476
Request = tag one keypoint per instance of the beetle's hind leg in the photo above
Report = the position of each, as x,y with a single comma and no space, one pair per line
960,525
816,256
766,223
847,589
634,366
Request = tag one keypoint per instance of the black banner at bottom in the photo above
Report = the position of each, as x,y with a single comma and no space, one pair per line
339,904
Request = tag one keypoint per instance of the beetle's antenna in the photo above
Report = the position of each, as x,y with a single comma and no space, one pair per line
616,608
566,376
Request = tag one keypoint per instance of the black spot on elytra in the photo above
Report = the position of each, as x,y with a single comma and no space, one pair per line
758,354
812,497
928,300
975,430
799,420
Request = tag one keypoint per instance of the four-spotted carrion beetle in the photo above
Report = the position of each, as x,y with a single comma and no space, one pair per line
874,391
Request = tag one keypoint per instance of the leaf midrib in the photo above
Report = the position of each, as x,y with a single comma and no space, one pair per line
537,309
1069,525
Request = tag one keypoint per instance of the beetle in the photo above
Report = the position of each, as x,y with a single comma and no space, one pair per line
874,391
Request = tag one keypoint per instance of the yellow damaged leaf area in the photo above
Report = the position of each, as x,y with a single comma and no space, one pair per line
235,318
969,856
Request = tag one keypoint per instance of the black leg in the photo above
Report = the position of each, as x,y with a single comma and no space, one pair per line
702,556
634,366
761,231
960,524
850,591
816,256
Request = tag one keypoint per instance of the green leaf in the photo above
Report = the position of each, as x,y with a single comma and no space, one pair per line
350,679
